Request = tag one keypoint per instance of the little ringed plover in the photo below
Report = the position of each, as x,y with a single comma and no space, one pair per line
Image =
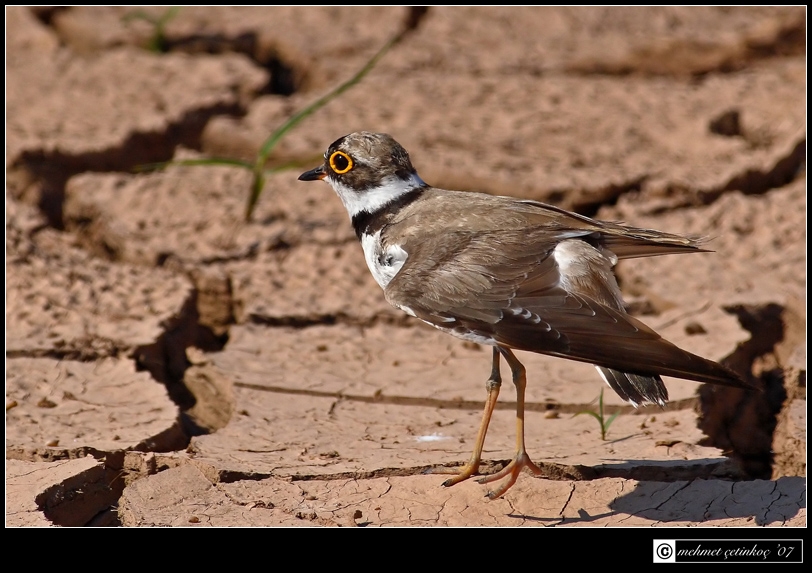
510,273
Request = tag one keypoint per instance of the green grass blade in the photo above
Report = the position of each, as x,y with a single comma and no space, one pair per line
271,142
157,42
257,185
167,16
294,120
589,413
610,420
307,163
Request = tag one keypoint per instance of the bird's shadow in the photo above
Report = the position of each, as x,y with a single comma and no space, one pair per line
760,502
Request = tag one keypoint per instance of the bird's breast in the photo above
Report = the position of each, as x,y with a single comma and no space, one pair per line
384,261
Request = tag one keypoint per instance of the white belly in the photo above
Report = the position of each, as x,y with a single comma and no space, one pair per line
468,336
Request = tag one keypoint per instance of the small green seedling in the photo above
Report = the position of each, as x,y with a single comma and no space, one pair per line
157,42
599,416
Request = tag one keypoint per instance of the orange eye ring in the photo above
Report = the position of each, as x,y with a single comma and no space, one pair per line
340,162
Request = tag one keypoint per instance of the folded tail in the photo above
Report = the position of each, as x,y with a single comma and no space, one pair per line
635,388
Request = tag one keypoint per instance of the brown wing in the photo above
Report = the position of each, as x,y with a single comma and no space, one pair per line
508,286
623,241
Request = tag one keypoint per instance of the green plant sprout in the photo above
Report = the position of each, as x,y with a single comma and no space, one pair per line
599,416
257,166
157,42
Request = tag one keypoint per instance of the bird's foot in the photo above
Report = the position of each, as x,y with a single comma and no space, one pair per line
460,474
511,472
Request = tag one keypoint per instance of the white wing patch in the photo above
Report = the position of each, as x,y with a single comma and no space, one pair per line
384,264
580,264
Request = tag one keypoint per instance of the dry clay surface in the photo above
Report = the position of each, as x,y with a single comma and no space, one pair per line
170,364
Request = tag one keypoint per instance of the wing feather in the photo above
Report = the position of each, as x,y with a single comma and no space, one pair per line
509,287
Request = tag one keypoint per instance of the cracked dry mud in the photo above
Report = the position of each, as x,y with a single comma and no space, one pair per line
168,363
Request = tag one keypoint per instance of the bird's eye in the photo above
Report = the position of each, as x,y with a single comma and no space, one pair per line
340,162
